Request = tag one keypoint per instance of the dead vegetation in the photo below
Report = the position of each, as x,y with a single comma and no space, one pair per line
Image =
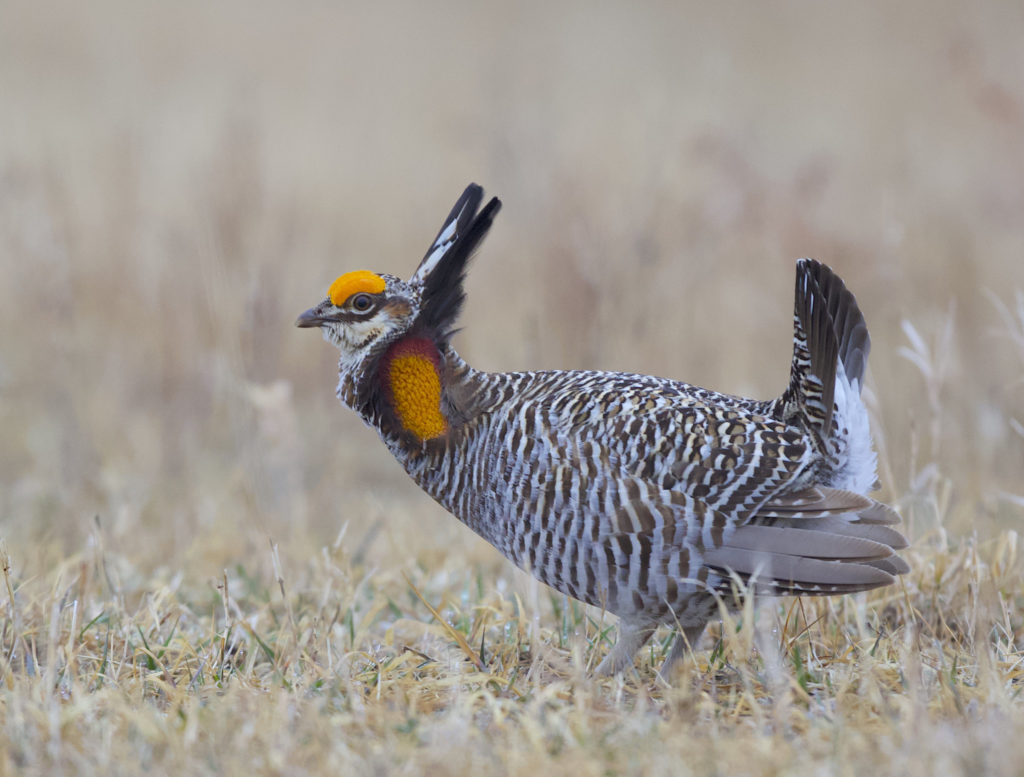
210,567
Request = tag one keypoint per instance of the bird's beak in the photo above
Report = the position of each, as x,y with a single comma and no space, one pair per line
310,318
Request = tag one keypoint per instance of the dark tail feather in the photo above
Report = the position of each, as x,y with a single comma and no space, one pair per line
828,326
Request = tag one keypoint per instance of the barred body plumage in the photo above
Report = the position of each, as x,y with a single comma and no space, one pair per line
645,496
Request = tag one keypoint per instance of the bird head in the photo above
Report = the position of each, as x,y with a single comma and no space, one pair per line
367,313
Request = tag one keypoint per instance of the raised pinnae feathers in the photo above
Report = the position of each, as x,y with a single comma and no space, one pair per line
456,224
441,274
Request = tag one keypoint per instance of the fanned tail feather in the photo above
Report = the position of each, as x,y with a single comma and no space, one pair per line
830,353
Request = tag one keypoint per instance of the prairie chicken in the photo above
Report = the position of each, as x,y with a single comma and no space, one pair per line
648,497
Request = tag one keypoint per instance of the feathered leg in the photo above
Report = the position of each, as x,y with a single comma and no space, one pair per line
684,641
632,637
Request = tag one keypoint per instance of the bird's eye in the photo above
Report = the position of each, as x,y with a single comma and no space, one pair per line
362,302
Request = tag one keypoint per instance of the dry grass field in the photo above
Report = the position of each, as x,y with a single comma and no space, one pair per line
210,567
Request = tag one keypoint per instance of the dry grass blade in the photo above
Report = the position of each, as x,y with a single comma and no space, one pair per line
454,633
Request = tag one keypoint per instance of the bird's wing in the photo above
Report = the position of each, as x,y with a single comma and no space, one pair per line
817,541
716,496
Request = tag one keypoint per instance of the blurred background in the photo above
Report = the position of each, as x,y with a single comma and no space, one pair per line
179,180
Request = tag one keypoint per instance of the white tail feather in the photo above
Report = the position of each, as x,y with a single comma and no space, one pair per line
857,463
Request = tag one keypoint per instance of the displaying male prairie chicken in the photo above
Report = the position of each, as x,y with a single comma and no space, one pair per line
645,496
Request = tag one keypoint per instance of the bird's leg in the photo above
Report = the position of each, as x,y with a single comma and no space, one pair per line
686,640
632,636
